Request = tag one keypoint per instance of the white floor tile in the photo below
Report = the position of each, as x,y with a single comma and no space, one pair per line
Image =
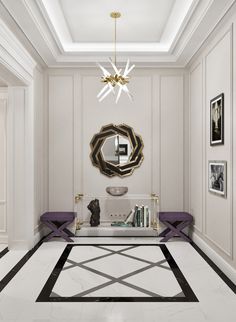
76,280
116,265
217,302
2,247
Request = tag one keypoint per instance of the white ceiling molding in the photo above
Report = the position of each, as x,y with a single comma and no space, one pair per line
187,27
54,16
14,57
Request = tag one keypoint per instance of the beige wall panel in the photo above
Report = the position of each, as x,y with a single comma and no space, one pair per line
218,219
61,143
171,153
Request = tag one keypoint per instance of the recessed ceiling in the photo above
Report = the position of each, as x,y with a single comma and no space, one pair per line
149,25
150,33
90,21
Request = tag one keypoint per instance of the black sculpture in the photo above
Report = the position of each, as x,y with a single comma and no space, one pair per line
94,207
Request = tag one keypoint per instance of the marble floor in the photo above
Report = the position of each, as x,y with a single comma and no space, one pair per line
18,299
2,247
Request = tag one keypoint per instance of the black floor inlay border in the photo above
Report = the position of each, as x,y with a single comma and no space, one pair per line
222,275
4,252
10,275
186,295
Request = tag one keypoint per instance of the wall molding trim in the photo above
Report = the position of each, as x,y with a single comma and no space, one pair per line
229,271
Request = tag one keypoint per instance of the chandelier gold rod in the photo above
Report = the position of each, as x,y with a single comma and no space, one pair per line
115,41
115,15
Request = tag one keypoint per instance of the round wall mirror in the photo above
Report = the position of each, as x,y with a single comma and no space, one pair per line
116,150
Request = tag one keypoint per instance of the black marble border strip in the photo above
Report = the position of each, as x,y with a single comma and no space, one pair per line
11,274
3,252
218,271
44,295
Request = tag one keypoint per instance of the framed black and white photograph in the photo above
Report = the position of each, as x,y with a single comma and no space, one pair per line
218,177
217,120
123,149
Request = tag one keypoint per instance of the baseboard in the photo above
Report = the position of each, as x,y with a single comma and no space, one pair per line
40,232
19,244
226,268
3,239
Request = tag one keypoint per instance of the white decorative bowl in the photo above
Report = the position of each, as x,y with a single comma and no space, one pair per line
117,191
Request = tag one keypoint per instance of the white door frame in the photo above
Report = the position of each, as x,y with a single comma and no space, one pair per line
16,69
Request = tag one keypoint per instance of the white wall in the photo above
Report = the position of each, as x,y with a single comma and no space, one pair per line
211,73
3,165
40,148
75,116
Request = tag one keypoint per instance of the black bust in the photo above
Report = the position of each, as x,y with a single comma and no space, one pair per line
94,207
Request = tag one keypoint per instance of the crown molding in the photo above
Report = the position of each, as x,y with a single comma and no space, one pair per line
14,56
203,17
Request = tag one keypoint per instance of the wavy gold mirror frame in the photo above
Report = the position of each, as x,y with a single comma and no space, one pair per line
107,168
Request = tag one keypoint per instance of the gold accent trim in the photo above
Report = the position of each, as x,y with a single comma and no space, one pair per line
78,197
115,14
155,197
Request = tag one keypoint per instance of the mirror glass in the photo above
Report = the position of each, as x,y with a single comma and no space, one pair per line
116,150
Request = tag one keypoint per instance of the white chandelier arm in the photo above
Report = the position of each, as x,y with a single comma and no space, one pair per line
105,72
118,95
126,90
112,88
129,70
102,90
114,67
126,67
105,95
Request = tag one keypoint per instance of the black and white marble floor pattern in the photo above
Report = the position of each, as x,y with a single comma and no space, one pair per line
18,300
109,272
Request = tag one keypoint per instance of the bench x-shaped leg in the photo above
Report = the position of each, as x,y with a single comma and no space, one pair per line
60,231
171,230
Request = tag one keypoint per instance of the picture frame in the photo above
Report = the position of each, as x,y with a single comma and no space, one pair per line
217,120
123,149
217,177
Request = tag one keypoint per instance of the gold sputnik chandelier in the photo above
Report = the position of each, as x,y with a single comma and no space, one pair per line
119,80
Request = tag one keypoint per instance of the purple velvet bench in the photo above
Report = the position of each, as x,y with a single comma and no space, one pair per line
58,221
175,223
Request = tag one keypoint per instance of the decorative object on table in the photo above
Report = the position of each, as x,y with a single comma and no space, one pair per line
119,80
117,191
94,207
121,224
217,120
57,222
217,177
79,223
175,223
105,150
139,216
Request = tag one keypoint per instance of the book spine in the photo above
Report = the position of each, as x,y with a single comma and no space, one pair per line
149,218
142,216
138,217
135,222
145,216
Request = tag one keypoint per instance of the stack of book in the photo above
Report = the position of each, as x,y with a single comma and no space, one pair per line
139,216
